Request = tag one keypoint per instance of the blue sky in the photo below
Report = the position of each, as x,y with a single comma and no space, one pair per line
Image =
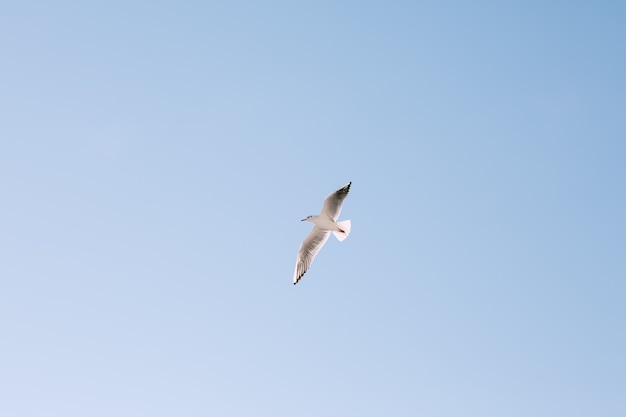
156,158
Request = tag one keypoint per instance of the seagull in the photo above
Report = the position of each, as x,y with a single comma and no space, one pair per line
324,223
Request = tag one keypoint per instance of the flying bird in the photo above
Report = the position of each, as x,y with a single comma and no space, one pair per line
324,223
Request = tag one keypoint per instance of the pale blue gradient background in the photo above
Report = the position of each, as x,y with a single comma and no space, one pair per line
156,158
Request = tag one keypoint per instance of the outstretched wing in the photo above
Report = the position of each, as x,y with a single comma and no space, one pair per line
333,203
308,249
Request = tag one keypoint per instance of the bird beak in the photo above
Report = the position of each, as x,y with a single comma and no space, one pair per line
302,220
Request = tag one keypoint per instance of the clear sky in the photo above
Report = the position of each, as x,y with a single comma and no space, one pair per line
156,158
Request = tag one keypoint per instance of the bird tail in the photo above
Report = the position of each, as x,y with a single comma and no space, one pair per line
345,230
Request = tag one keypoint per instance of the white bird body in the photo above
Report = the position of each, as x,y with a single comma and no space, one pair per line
324,223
